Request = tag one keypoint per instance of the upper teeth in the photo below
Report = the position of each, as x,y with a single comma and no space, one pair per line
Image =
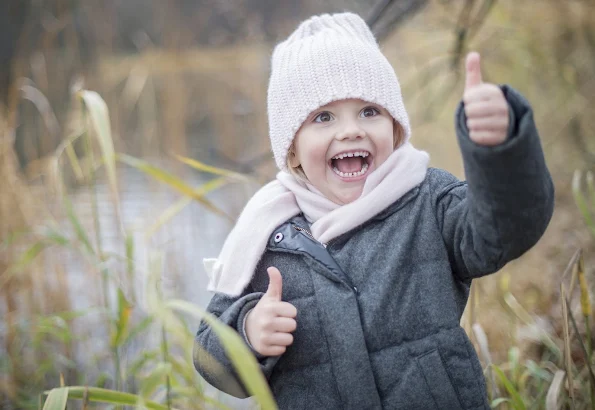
352,154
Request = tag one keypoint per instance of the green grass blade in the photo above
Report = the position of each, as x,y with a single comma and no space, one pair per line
56,237
99,395
121,325
23,261
136,330
57,399
29,255
581,201
168,215
76,224
155,379
568,363
144,358
171,180
517,400
242,359
210,169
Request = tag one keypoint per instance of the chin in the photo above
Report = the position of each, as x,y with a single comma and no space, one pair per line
345,198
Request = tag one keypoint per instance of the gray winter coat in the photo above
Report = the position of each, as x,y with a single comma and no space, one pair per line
379,308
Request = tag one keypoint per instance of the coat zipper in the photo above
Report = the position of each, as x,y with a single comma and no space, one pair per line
307,233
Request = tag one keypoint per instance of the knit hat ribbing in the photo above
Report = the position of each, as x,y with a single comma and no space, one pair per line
327,58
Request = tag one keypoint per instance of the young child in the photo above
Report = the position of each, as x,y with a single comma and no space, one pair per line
347,276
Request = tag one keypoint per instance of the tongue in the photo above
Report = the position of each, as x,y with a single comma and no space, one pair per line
349,164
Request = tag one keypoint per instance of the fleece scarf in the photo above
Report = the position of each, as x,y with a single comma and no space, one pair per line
288,196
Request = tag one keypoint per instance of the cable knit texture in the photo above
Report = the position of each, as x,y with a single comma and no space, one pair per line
327,58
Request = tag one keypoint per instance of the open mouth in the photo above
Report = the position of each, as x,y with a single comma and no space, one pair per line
351,164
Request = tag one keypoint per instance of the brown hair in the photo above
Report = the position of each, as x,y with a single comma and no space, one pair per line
298,172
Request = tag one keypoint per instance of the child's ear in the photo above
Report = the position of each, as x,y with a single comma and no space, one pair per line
398,134
292,159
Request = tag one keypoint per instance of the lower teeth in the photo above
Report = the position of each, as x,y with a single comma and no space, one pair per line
351,174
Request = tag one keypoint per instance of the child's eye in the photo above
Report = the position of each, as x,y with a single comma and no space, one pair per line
323,117
370,112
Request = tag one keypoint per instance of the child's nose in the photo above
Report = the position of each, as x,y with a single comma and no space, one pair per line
350,131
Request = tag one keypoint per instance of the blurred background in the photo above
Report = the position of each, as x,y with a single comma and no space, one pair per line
95,200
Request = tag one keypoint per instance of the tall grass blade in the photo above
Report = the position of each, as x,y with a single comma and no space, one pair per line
155,379
81,234
136,330
586,309
584,348
571,270
121,324
484,350
29,255
172,181
168,215
567,348
516,399
129,244
99,395
551,400
242,359
178,206
99,114
526,318
581,201
55,237
513,360
74,163
584,287
499,401
211,170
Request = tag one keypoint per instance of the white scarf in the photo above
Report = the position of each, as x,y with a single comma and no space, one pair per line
287,196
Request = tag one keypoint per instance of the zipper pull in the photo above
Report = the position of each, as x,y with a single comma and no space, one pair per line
308,234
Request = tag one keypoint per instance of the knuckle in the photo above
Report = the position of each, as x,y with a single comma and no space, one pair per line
293,310
265,339
270,309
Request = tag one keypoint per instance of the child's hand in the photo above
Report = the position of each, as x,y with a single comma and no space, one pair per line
270,323
485,106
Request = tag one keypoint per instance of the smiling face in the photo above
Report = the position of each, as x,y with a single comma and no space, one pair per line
340,144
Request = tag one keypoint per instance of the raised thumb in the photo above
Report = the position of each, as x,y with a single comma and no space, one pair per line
275,288
472,70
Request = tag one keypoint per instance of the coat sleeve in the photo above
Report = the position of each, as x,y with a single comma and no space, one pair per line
505,205
209,355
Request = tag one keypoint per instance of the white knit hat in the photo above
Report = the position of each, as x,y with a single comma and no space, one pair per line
328,58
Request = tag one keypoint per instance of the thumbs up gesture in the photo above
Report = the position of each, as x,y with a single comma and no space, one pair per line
485,106
270,323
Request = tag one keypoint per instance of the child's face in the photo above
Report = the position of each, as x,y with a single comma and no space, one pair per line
360,129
